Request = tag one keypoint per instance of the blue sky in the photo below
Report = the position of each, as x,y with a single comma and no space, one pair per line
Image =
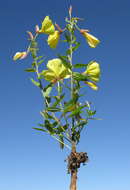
29,160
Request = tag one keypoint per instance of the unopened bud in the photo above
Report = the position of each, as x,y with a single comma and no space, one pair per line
37,29
83,31
30,35
70,10
58,27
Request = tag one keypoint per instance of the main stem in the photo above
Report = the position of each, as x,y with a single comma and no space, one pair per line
73,182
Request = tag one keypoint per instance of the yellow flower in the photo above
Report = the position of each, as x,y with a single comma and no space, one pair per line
56,71
92,85
47,26
20,55
93,71
91,40
53,39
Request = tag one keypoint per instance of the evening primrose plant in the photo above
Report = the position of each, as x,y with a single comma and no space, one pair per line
65,113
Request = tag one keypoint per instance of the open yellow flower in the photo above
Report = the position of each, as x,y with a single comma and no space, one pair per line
91,85
20,55
93,71
91,40
47,26
53,39
56,71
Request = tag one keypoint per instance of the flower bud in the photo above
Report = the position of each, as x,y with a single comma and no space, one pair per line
37,29
59,29
20,55
30,35
70,10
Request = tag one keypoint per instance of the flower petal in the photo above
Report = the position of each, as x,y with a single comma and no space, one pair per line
53,39
93,71
56,70
91,85
92,41
47,26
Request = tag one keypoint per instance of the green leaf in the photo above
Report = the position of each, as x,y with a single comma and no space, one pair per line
46,115
80,65
65,61
76,111
35,82
80,124
48,126
67,37
39,129
38,58
53,109
77,44
91,113
79,77
61,138
61,129
30,70
58,100
47,90
34,44
40,62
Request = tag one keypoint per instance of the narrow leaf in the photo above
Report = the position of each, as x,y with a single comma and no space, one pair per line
35,82
80,65
30,70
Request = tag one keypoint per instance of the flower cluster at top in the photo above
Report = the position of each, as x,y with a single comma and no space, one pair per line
56,69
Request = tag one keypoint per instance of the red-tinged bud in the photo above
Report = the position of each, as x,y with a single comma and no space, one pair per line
82,31
24,55
30,35
37,29
59,29
70,10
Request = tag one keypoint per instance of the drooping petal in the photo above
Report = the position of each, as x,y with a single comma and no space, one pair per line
93,71
91,40
47,26
91,85
53,39
48,75
19,55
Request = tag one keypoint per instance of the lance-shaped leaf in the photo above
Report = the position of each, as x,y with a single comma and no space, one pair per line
78,65
77,111
30,70
91,113
79,77
80,124
35,82
61,129
46,115
65,61
47,90
61,138
39,129
58,100
48,126
53,109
